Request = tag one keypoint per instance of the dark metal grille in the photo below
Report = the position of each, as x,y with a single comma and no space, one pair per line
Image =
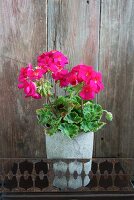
37,175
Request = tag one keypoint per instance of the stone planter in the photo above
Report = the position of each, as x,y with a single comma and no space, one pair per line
60,146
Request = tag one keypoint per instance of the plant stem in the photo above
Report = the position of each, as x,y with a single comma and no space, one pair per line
51,105
55,90
82,104
105,111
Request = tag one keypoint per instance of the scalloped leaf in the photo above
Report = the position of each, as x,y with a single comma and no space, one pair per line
92,112
76,100
52,130
73,117
63,105
44,115
70,130
47,118
91,126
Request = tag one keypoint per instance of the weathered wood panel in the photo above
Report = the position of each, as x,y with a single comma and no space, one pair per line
22,35
117,65
73,27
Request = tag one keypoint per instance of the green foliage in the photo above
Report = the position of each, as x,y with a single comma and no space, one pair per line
63,105
92,114
74,90
71,116
92,111
44,115
70,130
87,126
54,124
48,119
76,100
44,88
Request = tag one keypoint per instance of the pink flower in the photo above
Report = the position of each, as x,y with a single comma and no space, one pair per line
92,86
87,93
92,80
36,96
72,78
52,60
28,73
83,72
61,77
80,73
29,89
96,79
36,74
26,78
25,72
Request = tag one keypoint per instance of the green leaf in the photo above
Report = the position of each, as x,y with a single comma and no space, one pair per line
76,100
100,125
44,115
88,107
74,90
97,125
52,130
47,118
63,105
78,88
73,117
97,108
70,130
69,89
92,111
55,121
91,126
85,126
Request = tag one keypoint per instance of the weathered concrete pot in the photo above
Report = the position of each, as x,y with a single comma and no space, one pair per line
60,146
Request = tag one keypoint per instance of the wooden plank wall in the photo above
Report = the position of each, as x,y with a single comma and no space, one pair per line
23,35
96,32
116,61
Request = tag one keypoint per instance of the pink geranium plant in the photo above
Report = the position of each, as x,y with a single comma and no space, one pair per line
74,112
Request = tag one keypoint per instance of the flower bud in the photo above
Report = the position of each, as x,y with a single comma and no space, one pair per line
109,116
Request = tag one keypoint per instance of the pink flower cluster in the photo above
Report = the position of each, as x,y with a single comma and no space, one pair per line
27,77
92,80
54,62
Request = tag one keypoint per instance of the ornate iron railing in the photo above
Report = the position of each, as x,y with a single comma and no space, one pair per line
37,175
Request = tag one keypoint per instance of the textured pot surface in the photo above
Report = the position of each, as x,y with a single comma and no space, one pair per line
60,146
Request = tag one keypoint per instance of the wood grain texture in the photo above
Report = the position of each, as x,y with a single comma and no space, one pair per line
73,28
22,35
117,65
23,28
